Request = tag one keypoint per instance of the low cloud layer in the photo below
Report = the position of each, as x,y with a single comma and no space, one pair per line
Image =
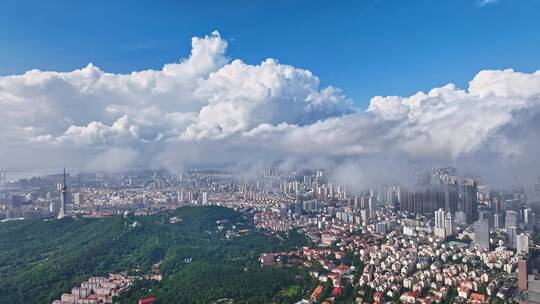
210,109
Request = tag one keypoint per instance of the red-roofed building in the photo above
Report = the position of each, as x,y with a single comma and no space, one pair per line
342,269
317,292
409,297
267,259
377,297
477,298
147,300
336,291
463,291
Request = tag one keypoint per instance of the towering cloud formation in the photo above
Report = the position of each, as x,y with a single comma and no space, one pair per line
210,109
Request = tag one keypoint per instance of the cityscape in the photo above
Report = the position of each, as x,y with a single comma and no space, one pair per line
449,237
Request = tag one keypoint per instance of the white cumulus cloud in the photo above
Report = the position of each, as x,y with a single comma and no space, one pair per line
209,109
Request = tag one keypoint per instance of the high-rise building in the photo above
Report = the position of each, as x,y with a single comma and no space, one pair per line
449,224
511,232
522,243
78,198
450,198
298,205
522,275
528,217
403,200
365,214
512,218
180,196
426,200
497,204
54,207
372,207
468,200
484,212
434,198
356,202
498,220
513,204
481,233
440,217
460,218
381,228
205,198
330,190
444,225
310,205
418,201
389,196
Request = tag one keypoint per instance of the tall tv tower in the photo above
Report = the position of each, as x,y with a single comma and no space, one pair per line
63,197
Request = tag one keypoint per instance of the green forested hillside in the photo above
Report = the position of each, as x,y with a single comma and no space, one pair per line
41,259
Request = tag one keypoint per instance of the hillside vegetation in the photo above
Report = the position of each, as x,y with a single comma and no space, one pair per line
41,259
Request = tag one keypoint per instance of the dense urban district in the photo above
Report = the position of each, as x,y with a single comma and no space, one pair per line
279,236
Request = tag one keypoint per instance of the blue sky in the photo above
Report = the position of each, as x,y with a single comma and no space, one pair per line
366,48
